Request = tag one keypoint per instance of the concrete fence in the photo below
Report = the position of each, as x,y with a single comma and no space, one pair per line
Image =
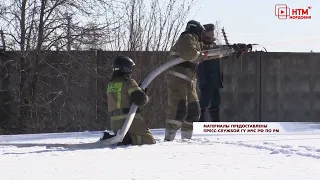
272,87
69,89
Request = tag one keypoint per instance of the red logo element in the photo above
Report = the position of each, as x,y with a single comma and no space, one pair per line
282,11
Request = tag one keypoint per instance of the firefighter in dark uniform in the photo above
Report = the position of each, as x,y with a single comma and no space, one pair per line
122,91
209,79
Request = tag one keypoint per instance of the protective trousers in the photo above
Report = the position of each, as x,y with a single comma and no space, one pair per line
138,133
183,106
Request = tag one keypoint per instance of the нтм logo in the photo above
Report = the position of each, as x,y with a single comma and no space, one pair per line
282,11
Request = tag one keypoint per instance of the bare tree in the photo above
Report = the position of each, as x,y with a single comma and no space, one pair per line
47,80
3,41
218,33
32,25
37,25
92,36
152,26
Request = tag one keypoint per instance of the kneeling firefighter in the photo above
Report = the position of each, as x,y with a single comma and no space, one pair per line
122,91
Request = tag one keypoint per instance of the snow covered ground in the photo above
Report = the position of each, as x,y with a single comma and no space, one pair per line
241,157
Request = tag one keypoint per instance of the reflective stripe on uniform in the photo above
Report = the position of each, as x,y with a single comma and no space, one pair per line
177,122
171,121
189,123
173,53
139,138
131,90
119,99
118,117
124,116
196,57
182,76
116,88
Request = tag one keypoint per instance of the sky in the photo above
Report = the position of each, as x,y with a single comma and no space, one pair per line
253,21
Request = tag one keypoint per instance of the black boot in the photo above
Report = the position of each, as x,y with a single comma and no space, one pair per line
202,115
105,136
215,115
126,141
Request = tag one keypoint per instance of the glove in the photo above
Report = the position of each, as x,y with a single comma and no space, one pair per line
145,90
205,54
235,47
239,49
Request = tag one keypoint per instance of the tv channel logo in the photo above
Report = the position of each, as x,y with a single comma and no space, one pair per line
282,11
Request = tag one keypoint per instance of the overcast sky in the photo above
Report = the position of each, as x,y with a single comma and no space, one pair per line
254,21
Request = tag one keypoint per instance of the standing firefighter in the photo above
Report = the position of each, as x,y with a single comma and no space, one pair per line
183,103
122,92
209,79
